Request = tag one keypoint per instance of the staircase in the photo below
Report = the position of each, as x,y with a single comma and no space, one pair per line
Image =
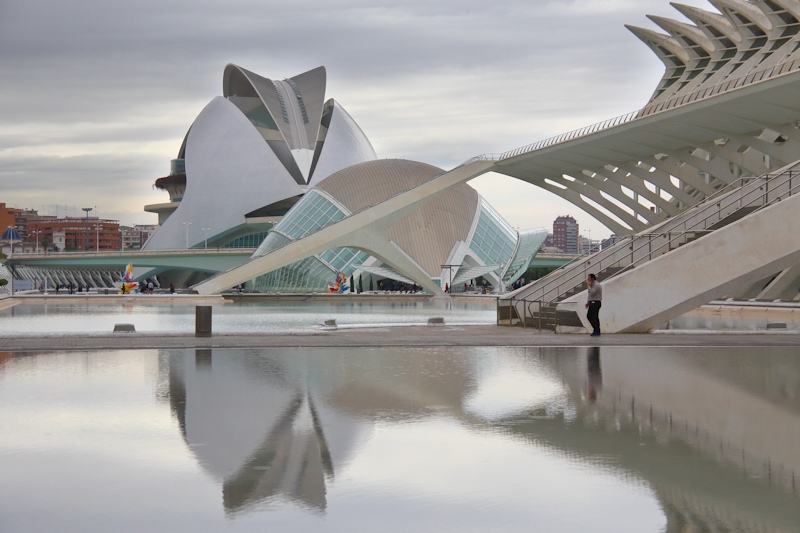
534,305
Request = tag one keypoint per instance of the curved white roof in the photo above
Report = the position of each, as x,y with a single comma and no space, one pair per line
262,144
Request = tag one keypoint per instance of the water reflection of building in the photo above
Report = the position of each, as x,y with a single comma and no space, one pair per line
280,425
740,411
713,435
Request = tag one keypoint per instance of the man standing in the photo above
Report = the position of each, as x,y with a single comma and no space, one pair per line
593,304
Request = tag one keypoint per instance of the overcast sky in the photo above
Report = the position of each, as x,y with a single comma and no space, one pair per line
97,95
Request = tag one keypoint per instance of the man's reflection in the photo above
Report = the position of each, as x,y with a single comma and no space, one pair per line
594,373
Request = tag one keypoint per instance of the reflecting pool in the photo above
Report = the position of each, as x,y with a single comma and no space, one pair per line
70,315
609,439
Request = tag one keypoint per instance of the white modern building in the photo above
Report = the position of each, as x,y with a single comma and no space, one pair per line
254,152
450,241
249,156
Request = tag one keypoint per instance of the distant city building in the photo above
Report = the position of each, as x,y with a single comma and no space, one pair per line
134,237
586,245
611,241
8,216
550,250
73,234
565,234
17,219
48,233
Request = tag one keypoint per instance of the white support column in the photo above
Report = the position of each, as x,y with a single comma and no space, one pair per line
786,285
608,185
575,198
593,194
687,174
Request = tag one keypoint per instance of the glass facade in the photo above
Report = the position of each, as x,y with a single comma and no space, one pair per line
494,240
273,241
316,273
529,244
253,240
311,213
343,258
259,116
313,274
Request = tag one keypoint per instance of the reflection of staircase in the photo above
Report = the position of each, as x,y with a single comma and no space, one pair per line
739,200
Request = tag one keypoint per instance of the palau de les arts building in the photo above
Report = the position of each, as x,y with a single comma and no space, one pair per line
270,162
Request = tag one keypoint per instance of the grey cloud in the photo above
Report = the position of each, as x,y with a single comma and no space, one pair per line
432,81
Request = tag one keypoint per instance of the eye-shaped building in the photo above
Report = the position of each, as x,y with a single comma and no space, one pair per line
451,240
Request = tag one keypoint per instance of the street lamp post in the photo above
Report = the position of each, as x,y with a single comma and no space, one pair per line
97,235
186,225
205,244
37,232
450,276
11,256
86,229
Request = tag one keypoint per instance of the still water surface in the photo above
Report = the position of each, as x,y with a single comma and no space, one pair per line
392,439
71,316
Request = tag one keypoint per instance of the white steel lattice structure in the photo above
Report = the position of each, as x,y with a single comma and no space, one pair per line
725,109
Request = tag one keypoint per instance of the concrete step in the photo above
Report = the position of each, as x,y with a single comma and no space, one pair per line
730,219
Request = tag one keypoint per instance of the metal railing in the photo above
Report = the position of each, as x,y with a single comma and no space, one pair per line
527,311
689,225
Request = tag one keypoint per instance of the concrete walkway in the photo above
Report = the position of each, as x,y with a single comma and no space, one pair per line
405,336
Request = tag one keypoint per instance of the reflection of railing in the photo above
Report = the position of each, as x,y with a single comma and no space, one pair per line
755,193
651,109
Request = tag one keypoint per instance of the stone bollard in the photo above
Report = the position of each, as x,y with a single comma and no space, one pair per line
436,321
126,328
202,324
330,322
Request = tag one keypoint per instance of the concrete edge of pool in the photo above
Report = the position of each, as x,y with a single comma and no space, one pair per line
406,336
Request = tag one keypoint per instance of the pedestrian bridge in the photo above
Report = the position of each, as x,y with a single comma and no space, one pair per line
104,268
215,260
